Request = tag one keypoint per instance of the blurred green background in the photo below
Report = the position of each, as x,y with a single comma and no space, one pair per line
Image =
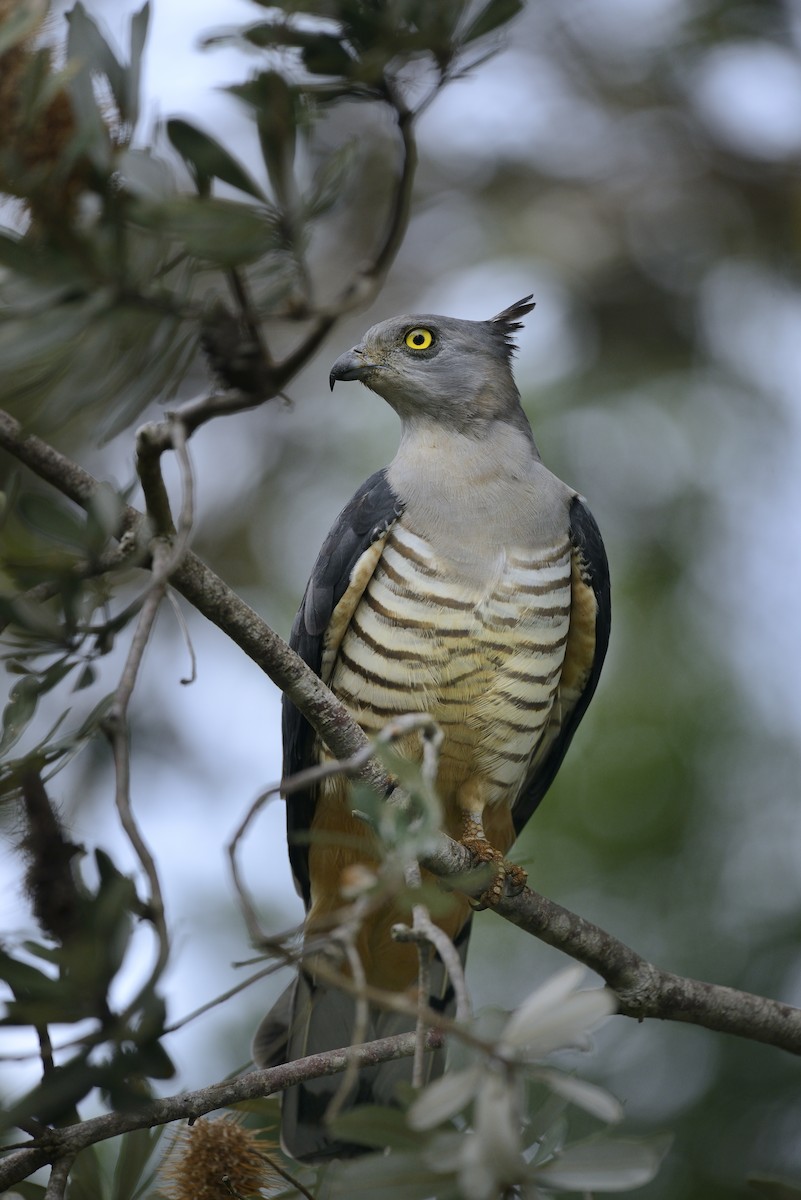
635,164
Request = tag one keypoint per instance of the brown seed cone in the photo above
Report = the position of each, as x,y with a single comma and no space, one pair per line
35,148
215,1160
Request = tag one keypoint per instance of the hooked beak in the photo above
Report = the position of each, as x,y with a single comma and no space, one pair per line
350,365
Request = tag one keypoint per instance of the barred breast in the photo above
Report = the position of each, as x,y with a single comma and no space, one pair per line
483,659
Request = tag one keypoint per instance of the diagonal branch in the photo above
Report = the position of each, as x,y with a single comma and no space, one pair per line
643,989
58,1144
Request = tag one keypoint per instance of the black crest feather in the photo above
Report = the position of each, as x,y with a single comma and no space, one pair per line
506,323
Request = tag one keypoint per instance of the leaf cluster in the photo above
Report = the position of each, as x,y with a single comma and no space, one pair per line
357,45
56,588
495,1123
68,984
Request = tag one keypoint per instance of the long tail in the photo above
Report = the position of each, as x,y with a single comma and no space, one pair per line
310,1018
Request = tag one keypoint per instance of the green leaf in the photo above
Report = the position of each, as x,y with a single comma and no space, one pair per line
605,1164
145,175
324,54
219,231
86,678
89,44
329,180
54,674
55,1098
208,159
20,255
17,714
84,43
391,1177
445,1097
139,26
274,105
49,515
592,1099
374,1125
154,1062
130,1170
496,13
30,1191
774,1189
25,980
36,619
103,518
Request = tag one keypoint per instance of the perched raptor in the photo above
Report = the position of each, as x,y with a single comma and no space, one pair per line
466,581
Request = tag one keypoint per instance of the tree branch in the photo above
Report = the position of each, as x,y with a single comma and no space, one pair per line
59,1175
643,989
63,1142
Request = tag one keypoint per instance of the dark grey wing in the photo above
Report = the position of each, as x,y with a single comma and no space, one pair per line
590,619
364,519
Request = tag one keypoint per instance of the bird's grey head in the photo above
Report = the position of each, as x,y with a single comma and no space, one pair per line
456,373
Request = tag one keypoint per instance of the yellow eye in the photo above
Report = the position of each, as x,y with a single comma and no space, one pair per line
419,339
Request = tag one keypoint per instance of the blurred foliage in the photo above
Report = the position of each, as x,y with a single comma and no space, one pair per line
636,166
495,1122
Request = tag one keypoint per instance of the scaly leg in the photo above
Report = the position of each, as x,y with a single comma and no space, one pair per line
474,840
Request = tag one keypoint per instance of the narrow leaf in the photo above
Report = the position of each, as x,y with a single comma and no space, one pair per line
392,1177
774,1189
594,1100
95,52
376,1126
326,55
566,1026
139,26
496,13
208,158
51,517
85,679
219,231
329,179
135,1151
605,1164
445,1097
30,1191
17,714
556,1014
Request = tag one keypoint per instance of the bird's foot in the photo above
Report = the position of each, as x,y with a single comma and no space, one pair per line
504,872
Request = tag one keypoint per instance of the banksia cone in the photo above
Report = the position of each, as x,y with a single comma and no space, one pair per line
34,164
215,1160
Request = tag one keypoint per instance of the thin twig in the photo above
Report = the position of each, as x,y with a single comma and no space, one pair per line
424,953
168,550
45,1049
361,1020
248,314
424,929
184,628
223,997
287,1175
115,725
353,765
